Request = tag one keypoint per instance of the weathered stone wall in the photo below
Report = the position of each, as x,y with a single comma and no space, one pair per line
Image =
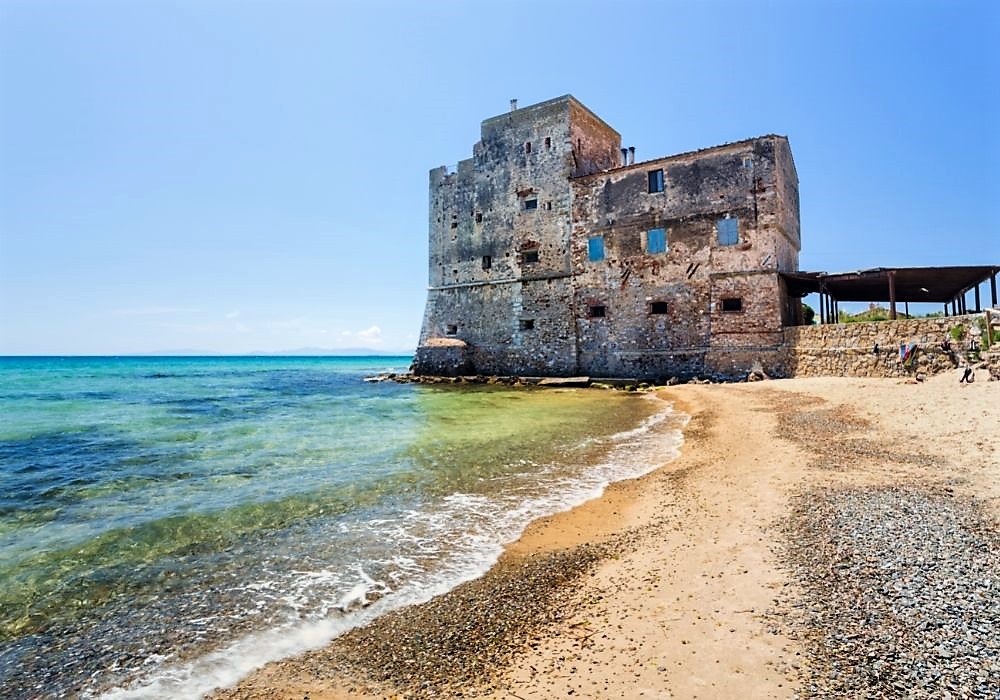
848,349
510,273
664,313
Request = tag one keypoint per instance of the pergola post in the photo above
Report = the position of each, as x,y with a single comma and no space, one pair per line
978,307
993,288
892,295
946,308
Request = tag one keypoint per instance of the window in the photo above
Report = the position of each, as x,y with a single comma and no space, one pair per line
596,311
454,224
479,217
658,307
732,304
529,256
487,262
530,204
548,142
748,162
526,324
728,231
527,146
548,206
451,329
655,181
656,240
595,249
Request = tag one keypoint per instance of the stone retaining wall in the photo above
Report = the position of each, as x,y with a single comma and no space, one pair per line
849,349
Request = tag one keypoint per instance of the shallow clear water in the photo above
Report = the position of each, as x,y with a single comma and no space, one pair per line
166,524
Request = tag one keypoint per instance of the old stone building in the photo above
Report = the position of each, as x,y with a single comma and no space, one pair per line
553,253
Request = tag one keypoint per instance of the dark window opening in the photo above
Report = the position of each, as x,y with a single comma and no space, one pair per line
656,181
487,262
479,217
452,329
454,224
597,311
527,146
527,324
529,256
548,206
658,307
548,142
732,304
748,162
531,204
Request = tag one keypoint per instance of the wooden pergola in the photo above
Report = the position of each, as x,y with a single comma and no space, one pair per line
944,285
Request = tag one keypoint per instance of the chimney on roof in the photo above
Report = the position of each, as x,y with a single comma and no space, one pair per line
624,156
631,155
513,105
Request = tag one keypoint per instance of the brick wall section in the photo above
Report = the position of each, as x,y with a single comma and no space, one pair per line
847,349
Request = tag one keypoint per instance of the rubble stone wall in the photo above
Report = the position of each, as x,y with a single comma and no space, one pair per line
873,349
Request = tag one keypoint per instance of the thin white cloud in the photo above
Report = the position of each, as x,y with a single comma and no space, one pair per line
372,335
232,314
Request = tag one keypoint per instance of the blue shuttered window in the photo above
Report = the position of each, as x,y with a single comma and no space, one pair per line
656,240
655,181
595,249
729,231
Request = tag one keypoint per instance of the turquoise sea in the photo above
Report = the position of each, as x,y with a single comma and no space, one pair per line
168,524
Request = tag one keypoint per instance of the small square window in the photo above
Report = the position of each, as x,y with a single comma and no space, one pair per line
526,324
454,224
595,249
656,240
732,304
655,181
451,329
530,204
479,217
487,262
658,307
529,256
597,311
728,231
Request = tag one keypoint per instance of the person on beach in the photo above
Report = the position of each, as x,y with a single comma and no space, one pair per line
968,375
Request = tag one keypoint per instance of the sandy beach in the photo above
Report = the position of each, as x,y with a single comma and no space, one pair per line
817,537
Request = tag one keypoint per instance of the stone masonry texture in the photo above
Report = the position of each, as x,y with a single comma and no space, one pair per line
551,254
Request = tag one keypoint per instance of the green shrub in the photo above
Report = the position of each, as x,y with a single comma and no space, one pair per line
957,332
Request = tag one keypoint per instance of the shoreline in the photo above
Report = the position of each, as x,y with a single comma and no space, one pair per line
678,583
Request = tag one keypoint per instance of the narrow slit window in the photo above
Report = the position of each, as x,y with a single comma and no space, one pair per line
655,181
656,240
595,248
529,256
527,146
526,324
597,311
728,231
530,204
487,262
658,308
732,304
548,142
479,217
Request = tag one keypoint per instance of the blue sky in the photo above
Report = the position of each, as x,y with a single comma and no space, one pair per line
251,175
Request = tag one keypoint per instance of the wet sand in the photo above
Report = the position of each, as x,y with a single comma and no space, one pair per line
713,576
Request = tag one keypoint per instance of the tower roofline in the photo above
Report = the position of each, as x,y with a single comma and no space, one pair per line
548,103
